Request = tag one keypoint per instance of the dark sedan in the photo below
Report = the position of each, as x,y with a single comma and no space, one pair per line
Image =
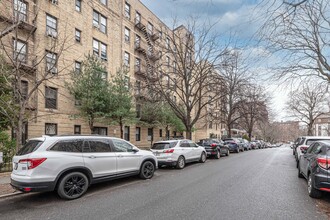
314,166
234,145
214,147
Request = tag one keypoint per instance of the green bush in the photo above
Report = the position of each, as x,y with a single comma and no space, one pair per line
7,146
246,137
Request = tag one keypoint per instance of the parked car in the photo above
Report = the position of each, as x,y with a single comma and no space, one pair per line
214,147
70,164
295,145
246,144
255,145
178,152
304,144
234,145
314,166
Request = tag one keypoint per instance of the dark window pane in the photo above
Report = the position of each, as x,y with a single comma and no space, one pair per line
121,146
68,146
99,146
29,147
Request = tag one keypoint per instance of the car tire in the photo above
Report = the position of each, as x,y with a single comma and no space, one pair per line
180,163
312,191
203,158
297,163
227,154
237,150
147,170
299,173
218,155
72,185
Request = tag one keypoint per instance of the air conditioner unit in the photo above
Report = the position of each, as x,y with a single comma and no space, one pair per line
51,68
51,33
96,25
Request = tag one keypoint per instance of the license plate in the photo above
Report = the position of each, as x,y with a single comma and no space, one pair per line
156,153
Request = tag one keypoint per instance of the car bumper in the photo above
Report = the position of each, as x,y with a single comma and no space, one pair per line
321,182
33,187
166,163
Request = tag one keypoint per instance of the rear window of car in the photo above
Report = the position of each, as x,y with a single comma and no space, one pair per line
311,141
162,146
68,146
29,147
205,142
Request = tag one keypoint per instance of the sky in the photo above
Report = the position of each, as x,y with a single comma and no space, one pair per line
237,21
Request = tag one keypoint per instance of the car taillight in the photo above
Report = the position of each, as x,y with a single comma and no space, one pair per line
213,145
168,151
33,162
323,162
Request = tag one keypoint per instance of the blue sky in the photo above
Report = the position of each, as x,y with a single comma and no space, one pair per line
240,18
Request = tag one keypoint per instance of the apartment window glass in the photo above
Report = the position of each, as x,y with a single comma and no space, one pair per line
77,67
20,51
50,129
51,59
126,59
99,21
150,134
104,2
174,67
100,131
78,35
150,28
138,63
100,49
160,133
78,5
167,61
137,87
127,10
51,25
126,133
127,34
137,17
20,10
24,90
137,40
51,98
167,43
138,134
77,129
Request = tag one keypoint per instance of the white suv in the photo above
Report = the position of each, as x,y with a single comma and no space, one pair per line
178,152
69,164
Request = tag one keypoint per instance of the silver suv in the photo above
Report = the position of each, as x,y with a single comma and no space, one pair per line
69,164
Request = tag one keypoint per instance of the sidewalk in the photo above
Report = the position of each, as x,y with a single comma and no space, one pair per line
5,188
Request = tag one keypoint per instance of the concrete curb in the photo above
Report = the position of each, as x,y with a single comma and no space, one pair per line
5,174
10,194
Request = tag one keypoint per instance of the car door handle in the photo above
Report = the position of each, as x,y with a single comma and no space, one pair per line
92,157
120,156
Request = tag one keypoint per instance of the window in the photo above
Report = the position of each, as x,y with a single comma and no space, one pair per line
138,134
150,134
25,89
100,49
20,51
174,67
167,46
138,110
77,67
51,98
104,2
74,146
174,99
51,62
99,21
184,144
168,61
137,87
20,10
160,133
150,28
97,146
127,10
51,26
78,35
78,5
126,59
126,133
50,129
138,64
100,131
137,17
127,34
137,41
77,129
121,146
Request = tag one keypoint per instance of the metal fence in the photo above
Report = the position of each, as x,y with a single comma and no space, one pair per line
6,166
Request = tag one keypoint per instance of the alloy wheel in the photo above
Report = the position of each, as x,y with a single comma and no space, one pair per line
74,186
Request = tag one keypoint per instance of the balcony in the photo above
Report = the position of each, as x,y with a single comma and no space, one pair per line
139,48
140,70
19,20
154,56
139,25
154,36
24,62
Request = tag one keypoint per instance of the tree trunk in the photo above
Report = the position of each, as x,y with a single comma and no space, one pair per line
18,130
310,130
229,131
121,128
189,133
91,124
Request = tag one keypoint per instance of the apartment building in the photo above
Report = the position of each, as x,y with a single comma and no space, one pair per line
322,125
49,39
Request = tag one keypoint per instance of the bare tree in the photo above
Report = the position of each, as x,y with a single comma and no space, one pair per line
298,31
307,103
186,73
23,67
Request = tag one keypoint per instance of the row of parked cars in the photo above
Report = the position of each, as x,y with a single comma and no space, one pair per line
312,155
70,164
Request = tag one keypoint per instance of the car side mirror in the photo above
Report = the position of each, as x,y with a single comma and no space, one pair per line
134,150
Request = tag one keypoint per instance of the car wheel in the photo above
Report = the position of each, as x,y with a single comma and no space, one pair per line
203,158
297,163
72,185
312,191
299,173
237,150
218,155
181,163
147,170
227,154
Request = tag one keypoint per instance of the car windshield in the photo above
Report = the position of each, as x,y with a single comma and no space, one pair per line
205,142
29,147
163,145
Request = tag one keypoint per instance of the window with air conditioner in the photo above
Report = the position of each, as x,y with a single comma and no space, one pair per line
51,26
20,10
100,49
99,21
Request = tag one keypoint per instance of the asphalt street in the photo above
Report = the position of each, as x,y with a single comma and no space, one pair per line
258,184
